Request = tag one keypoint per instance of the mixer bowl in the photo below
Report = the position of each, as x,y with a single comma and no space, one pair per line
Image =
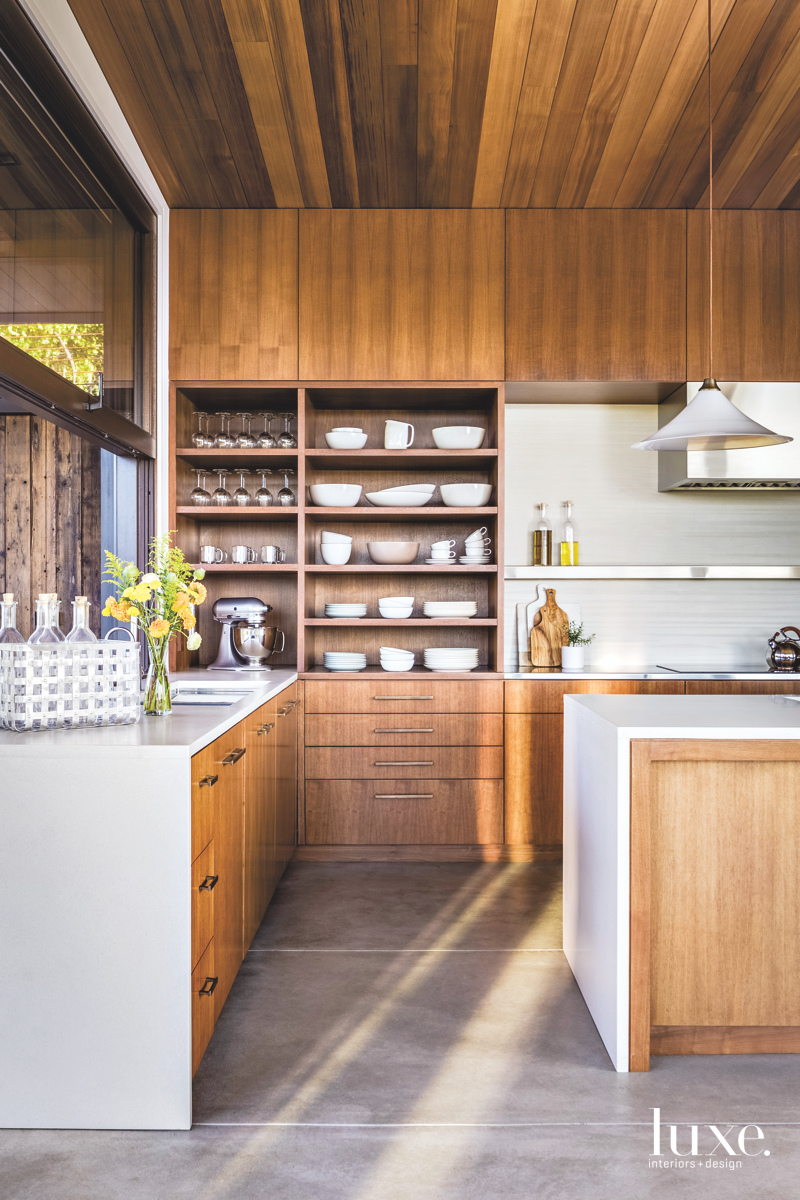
255,643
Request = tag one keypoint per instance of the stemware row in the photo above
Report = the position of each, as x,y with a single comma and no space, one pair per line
242,498
242,438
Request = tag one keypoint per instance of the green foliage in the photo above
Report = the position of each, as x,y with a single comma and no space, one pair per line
576,635
72,351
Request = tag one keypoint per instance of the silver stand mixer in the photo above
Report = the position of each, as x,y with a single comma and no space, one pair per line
247,641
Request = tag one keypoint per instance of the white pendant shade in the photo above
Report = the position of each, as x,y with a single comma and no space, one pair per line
711,422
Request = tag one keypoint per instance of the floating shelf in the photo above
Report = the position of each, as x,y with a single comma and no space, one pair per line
390,568
446,460
230,568
427,513
233,513
214,459
378,622
653,572
374,672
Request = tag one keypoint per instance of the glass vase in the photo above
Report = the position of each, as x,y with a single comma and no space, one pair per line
157,698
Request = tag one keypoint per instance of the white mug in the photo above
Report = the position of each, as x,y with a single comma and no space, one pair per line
243,554
396,436
212,554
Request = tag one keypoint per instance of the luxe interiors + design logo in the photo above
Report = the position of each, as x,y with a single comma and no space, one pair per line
709,1147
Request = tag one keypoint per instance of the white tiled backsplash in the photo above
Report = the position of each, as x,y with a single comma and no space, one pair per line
582,453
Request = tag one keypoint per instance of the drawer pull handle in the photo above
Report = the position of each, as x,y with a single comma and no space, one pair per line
412,763
209,883
402,731
402,697
403,796
284,712
265,729
208,780
205,990
233,757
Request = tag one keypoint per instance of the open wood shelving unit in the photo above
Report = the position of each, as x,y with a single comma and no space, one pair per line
300,587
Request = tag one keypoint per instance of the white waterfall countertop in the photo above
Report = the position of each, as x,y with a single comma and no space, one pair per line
193,723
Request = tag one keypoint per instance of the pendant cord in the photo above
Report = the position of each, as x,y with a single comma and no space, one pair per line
710,216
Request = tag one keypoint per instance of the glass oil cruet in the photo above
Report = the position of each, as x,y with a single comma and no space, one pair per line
8,621
569,539
47,632
80,631
543,541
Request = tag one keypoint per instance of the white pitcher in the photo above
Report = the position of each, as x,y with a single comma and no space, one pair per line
396,436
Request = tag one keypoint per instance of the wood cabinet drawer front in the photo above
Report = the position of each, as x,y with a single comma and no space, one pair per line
395,696
203,1007
737,687
204,769
204,882
547,695
391,729
396,812
408,762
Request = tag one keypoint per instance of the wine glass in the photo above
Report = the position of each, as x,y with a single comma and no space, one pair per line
265,439
241,496
221,496
286,496
245,439
224,439
264,495
200,437
287,440
199,495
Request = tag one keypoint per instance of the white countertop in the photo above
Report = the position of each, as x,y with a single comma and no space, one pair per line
695,716
655,672
182,734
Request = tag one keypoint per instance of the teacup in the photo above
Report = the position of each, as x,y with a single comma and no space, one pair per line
477,535
443,545
443,555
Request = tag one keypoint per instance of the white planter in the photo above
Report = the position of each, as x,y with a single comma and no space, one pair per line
573,658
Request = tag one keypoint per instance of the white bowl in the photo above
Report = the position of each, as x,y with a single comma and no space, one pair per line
466,495
395,614
345,439
339,539
396,666
395,650
335,495
430,488
335,554
399,499
458,437
402,600
393,553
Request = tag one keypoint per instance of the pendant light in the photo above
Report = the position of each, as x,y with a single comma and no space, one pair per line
710,421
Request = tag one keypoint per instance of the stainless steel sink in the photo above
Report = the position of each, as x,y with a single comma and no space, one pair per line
213,694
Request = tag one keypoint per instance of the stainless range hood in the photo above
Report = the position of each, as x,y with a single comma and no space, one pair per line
774,468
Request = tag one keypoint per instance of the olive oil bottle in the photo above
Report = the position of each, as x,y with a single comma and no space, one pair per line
543,541
569,539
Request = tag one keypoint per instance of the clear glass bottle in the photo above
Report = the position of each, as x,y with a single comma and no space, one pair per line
543,541
47,632
8,620
569,539
80,631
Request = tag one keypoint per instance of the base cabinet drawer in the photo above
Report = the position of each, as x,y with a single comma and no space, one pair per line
393,729
204,983
396,696
204,882
400,812
407,762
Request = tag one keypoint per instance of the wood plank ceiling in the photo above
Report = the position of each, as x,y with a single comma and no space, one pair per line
456,103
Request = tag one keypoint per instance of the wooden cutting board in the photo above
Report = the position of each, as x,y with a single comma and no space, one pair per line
549,633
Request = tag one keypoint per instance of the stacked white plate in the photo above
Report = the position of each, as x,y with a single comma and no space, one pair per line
451,658
345,610
475,560
396,660
449,608
337,660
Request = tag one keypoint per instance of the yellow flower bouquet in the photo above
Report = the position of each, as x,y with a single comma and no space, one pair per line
161,600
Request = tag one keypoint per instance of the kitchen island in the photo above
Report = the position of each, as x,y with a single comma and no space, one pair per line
134,859
681,881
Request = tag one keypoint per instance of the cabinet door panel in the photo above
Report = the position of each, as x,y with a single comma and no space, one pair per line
260,870
203,784
435,729
286,778
740,687
403,812
228,822
203,1004
534,779
203,888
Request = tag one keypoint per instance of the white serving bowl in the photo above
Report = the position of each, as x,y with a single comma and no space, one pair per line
338,539
395,614
393,553
335,495
346,439
430,488
334,554
394,665
401,498
466,495
403,600
458,437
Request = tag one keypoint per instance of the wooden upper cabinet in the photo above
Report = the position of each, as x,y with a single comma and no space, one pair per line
595,294
756,300
233,294
401,294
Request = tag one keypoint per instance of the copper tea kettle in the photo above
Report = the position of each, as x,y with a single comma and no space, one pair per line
784,652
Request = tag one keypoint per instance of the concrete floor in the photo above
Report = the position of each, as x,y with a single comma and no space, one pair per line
412,1032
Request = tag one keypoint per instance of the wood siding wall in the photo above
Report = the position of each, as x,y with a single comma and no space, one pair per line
50,515
401,294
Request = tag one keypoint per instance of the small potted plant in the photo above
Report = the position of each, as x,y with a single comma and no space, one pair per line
573,654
